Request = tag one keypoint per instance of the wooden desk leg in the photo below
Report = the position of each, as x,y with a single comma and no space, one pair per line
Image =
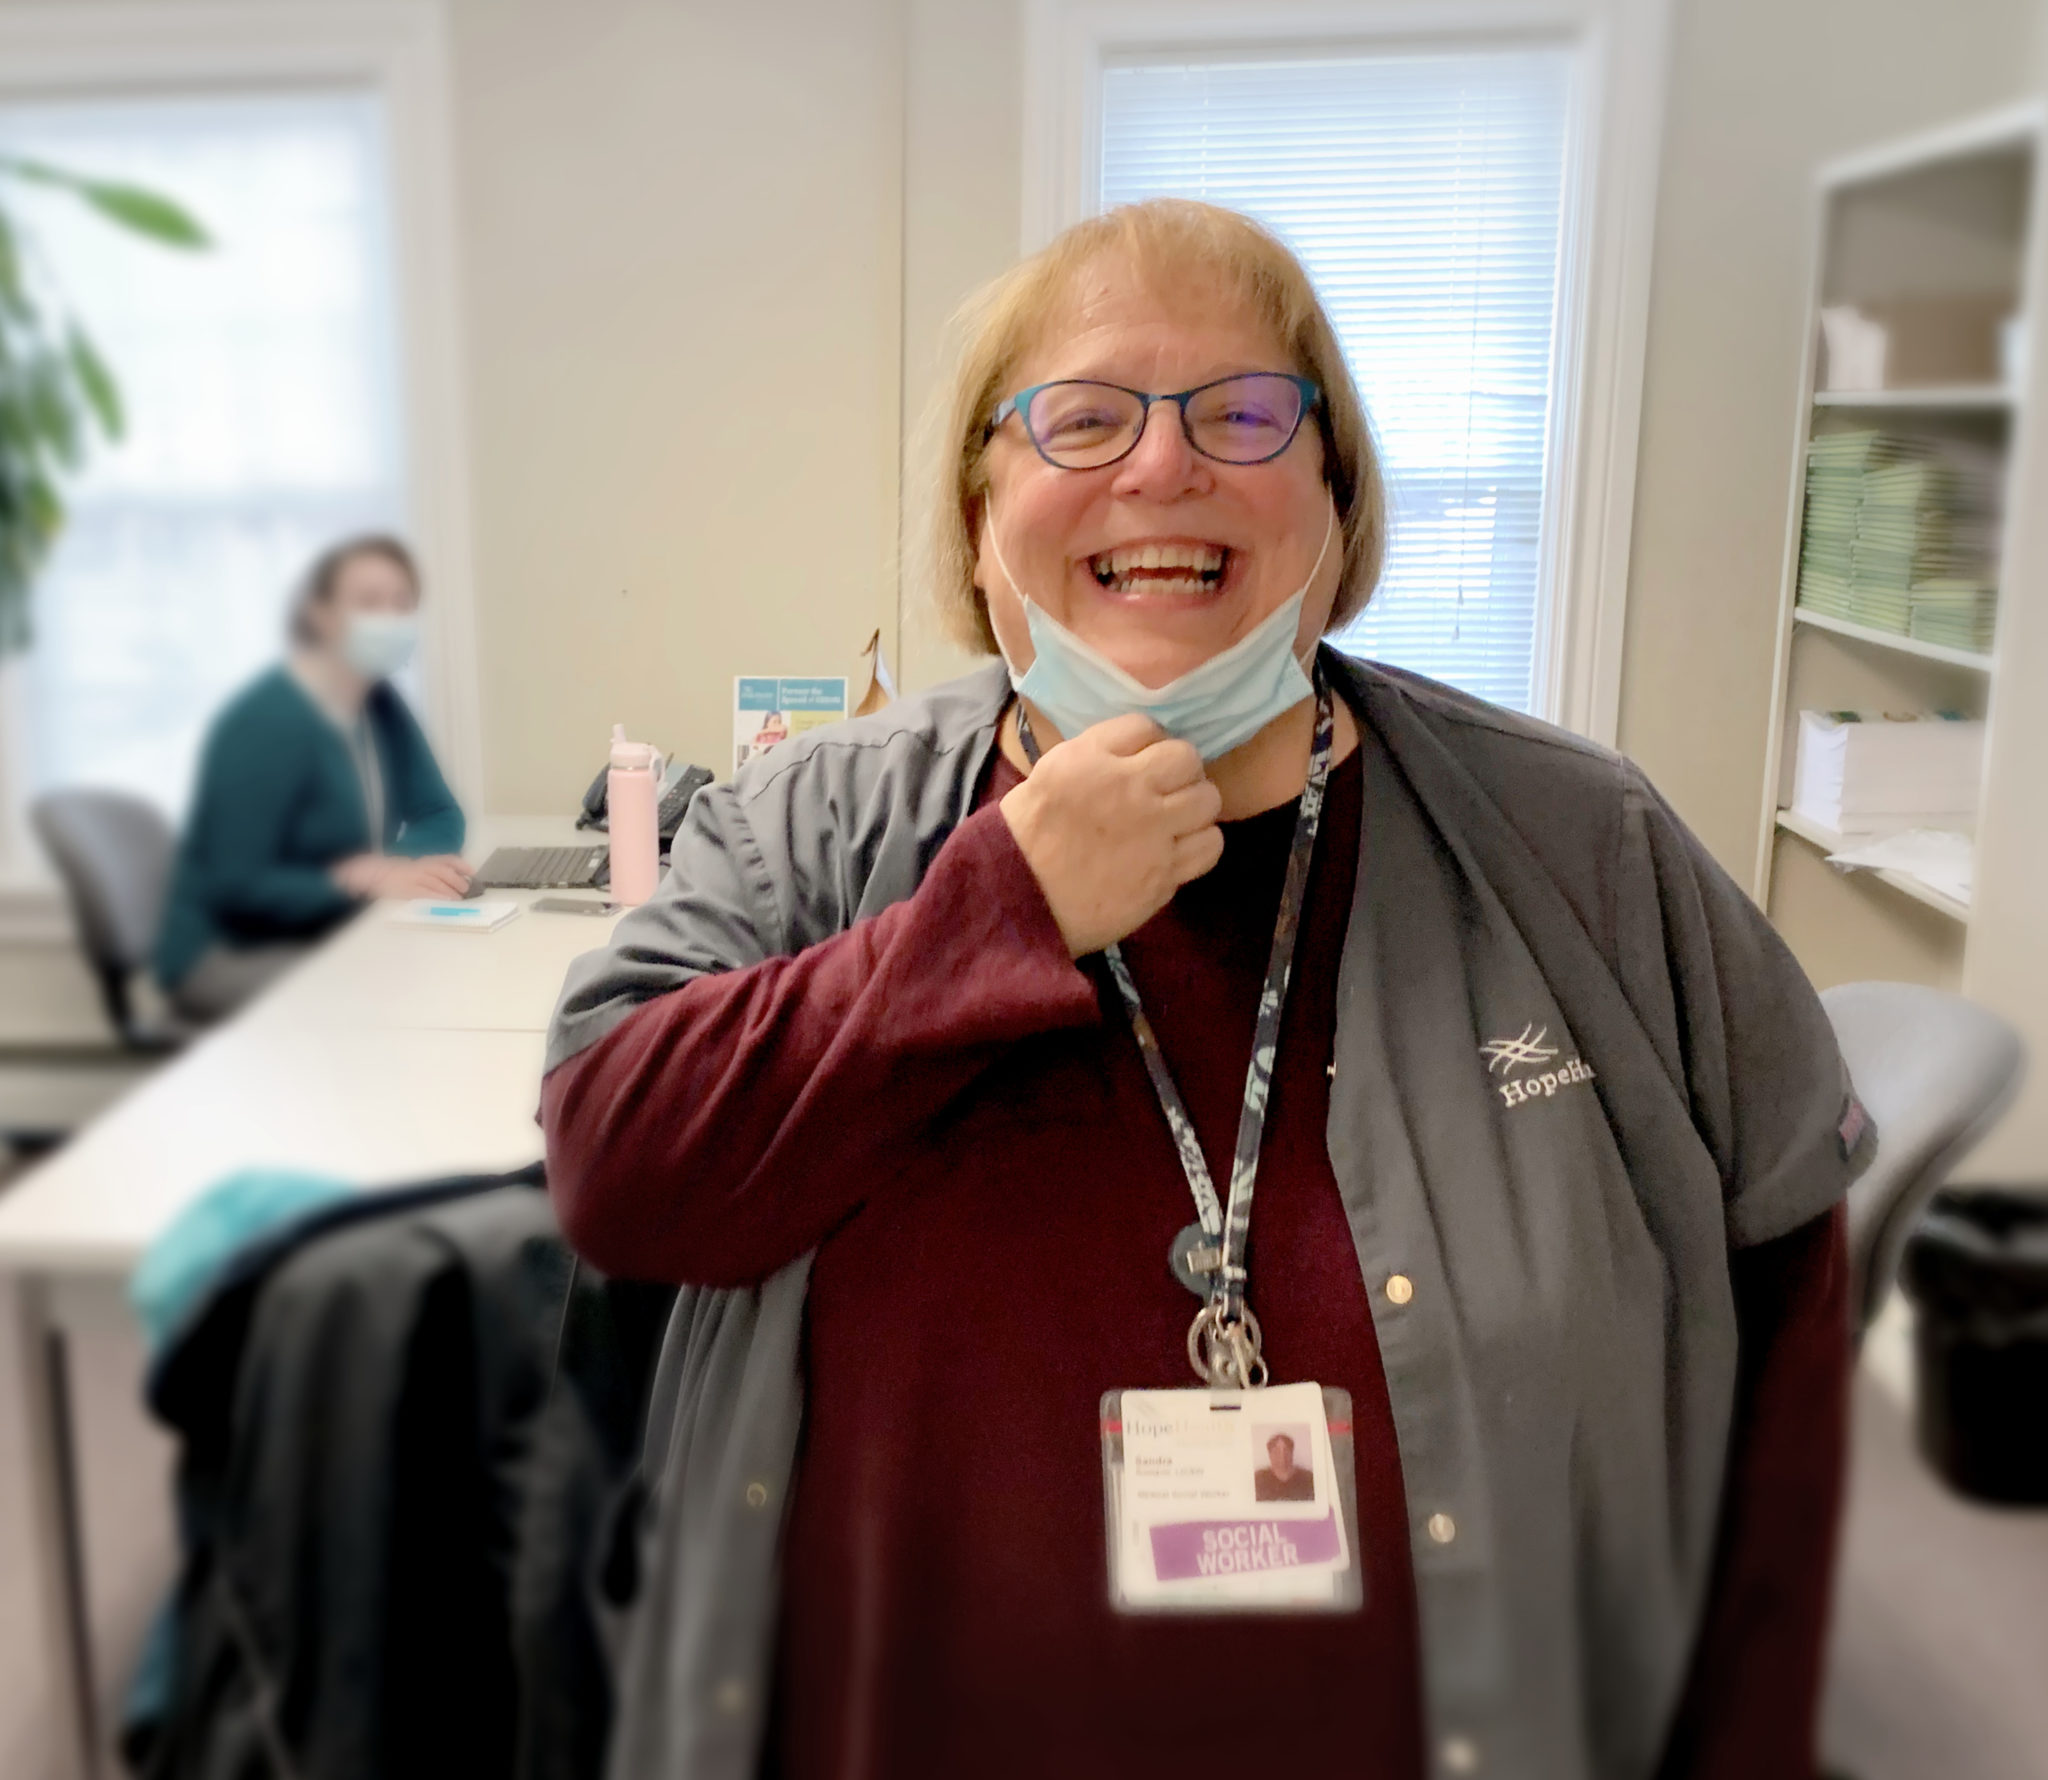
57,1529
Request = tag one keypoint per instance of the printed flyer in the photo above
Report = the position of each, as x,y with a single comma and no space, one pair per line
767,709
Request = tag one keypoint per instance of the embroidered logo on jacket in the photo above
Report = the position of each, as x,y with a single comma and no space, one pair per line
1504,1055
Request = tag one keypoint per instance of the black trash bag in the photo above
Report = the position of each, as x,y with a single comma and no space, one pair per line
1976,1270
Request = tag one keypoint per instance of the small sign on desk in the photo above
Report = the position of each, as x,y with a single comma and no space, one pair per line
484,916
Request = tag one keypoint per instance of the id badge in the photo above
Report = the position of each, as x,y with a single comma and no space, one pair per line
1231,1501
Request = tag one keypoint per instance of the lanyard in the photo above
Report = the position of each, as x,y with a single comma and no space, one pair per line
1223,1340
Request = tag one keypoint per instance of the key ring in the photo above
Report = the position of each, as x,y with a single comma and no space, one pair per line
1225,1353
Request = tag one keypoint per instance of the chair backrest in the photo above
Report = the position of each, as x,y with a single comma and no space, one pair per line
113,852
1935,1072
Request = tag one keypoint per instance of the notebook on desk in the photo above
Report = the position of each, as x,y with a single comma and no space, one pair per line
455,917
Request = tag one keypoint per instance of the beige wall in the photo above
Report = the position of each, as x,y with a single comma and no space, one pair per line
1761,93
962,177
680,252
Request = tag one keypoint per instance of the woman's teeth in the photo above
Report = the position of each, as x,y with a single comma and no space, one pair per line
1161,568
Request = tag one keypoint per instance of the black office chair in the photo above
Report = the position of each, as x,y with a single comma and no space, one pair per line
113,852
1936,1073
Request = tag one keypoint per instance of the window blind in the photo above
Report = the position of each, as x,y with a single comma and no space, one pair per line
261,385
1424,193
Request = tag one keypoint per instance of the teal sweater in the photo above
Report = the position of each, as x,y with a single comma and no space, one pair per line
278,803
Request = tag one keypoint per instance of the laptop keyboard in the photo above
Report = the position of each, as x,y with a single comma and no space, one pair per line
542,868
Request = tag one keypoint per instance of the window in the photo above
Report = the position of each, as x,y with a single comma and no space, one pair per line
261,384
1424,192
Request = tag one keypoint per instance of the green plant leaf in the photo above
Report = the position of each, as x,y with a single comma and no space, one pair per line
55,389
44,509
16,305
144,212
52,414
101,391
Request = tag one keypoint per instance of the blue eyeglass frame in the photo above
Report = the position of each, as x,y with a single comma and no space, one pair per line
1020,405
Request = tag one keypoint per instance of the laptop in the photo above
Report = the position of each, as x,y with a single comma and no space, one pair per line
544,868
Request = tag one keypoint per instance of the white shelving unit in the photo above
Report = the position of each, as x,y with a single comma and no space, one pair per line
1969,397
1885,639
1830,840
1945,224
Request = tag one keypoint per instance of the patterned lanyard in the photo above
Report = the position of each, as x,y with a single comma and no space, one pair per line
1223,1340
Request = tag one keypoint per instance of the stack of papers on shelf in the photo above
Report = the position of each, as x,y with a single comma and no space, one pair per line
1873,775
1835,466
1956,612
1887,516
1856,348
1937,857
1901,536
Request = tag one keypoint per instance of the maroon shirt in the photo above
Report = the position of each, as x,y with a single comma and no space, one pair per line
956,1118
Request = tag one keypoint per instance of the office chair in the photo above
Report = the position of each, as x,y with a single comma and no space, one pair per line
1936,1072
113,852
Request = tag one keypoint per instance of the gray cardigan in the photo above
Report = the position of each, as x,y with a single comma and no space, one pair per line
1574,1066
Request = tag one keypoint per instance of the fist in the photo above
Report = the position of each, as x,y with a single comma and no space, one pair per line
1112,823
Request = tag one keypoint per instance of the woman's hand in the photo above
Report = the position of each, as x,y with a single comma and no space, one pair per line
1112,823
371,875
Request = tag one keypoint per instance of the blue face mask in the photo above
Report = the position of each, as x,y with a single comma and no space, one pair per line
1217,706
378,644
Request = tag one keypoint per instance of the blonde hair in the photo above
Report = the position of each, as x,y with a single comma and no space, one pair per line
1173,242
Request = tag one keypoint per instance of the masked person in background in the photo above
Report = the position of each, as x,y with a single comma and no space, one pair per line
944,1066
316,793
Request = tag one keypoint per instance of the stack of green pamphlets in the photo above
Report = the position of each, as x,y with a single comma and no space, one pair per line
1956,612
1836,464
1901,537
1890,519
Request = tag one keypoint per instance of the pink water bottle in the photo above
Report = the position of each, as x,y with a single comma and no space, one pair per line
632,797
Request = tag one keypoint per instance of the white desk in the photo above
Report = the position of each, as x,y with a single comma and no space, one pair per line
392,1054
381,1108
377,976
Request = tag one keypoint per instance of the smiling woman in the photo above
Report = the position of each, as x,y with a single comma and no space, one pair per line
1112,300
1108,495
950,1060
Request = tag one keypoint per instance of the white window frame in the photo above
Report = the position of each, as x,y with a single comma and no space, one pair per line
397,49
1608,217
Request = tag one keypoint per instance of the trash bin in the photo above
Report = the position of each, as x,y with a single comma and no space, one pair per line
1976,1270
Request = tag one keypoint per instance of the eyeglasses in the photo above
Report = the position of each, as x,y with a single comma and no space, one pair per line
1078,424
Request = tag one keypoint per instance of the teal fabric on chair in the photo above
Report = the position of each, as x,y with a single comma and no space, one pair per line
183,1262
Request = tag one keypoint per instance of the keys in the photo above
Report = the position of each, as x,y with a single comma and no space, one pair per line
1225,1353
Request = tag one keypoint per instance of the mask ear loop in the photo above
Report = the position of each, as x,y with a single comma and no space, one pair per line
1315,568
995,545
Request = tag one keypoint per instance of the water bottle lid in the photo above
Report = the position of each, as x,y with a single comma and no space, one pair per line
631,756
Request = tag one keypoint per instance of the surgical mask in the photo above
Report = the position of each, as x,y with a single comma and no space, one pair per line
378,644
1217,706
